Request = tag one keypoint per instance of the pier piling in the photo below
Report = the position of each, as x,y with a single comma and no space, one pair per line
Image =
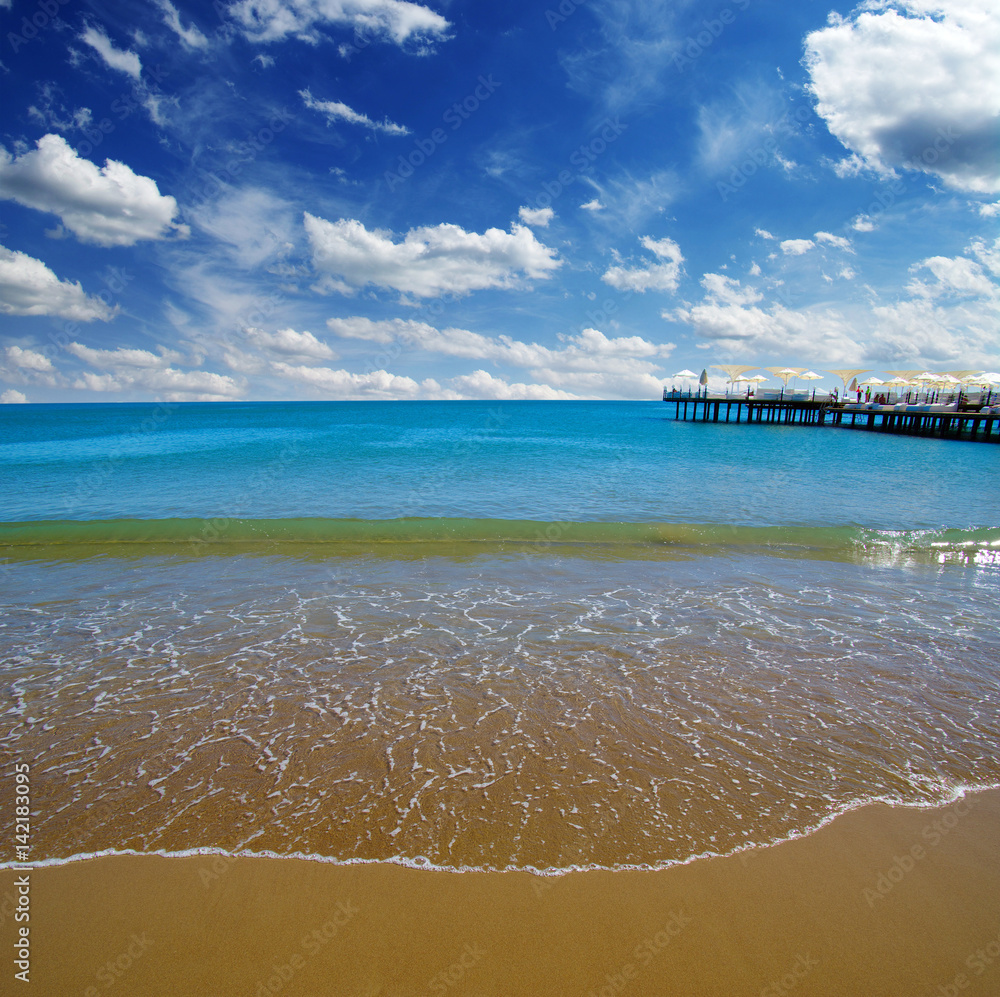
980,425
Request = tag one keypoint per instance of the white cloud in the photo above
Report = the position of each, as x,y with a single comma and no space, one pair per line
29,287
935,335
28,359
253,223
796,247
663,276
763,233
192,37
115,58
863,223
594,205
406,24
12,397
727,291
990,210
482,384
747,331
536,216
630,201
110,206
912,84
126,369
955,275
337,111
589,363
123,357
429,261
288,342
629,56
950,319
987,254
833,240
605,383
344,384
590,350
170,384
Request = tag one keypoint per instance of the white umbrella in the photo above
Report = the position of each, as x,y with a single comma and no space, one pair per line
811,375
785,373
897,383
685,373
871,382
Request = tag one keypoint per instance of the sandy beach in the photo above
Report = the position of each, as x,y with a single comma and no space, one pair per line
881,901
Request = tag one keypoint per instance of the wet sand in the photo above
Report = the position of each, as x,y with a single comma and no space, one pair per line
879,902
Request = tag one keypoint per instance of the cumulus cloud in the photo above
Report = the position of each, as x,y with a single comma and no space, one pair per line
536,216
796,247
838,241
28,359
727,291
594,205
191,37
590,363
590,350
935,334
288,342
168,383
763,233
115,58
335,110
12,397
127,369
738,323
953,276
663,276
29,287
409,25
482,384
912,84
429,261
345,384
123,357
110,206
949,318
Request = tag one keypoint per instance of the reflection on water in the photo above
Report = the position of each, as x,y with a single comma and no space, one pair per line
493,710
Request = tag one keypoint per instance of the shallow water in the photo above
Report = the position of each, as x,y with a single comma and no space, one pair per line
640,642
491,710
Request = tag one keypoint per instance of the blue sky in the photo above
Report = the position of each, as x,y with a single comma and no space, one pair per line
267,199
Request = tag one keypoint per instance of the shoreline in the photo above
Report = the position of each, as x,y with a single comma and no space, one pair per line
879,900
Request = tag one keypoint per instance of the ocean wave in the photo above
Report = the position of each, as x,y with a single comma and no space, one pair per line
947,797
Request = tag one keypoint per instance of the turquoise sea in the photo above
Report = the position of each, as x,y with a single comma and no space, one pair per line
486,635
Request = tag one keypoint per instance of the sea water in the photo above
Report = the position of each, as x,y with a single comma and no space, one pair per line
538,635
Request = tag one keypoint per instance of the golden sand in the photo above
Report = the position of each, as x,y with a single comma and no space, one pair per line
881,901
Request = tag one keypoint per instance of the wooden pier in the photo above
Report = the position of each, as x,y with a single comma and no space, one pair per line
944,421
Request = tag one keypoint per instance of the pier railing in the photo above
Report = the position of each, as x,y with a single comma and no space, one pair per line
959,420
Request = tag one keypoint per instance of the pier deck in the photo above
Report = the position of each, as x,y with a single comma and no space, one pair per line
946,421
